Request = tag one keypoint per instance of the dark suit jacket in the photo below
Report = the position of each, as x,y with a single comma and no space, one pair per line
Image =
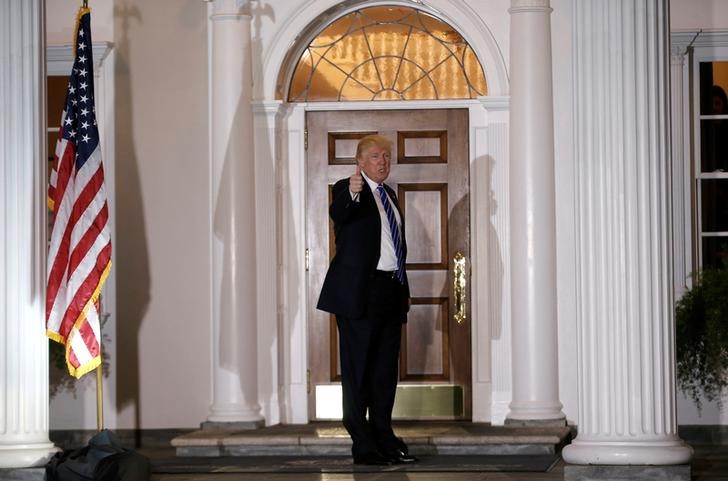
357,227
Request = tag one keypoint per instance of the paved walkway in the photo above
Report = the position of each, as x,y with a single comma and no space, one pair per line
710,464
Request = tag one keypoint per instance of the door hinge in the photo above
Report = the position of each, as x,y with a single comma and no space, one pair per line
307,258
305,139
308,381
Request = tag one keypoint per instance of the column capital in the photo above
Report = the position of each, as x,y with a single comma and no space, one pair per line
535,6
228,9
677,54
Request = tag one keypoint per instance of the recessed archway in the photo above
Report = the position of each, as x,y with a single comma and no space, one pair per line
387,52
298,31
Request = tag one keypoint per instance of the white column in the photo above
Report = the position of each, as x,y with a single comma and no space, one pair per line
625,326
24,357
235,378
533,217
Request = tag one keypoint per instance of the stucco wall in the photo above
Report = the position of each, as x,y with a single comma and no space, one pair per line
163,279
698,14
61,18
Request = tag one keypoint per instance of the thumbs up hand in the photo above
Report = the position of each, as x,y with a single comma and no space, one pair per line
356,181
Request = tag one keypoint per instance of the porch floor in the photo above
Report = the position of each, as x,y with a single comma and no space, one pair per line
330,438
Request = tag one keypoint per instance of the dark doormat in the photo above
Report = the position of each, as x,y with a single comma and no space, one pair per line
341,464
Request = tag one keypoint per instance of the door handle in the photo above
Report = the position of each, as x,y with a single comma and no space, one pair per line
459,281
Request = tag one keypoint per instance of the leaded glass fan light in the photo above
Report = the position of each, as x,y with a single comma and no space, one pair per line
387,53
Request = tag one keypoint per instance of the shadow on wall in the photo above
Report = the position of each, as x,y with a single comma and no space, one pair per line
495,258
233,224
235,228
273,346
132,257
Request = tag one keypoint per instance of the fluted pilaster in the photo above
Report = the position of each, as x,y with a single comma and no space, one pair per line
24,357
680,136
625,300
498,270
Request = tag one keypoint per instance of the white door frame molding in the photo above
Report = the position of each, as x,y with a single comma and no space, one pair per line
280,178
283,159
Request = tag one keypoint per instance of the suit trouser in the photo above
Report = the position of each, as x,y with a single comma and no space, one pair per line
369,352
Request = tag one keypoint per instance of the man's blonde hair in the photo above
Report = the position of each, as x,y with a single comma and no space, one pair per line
371,141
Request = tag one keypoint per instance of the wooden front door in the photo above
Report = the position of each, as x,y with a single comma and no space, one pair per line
430,174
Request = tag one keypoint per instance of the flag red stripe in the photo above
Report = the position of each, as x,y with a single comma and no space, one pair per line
62,258
89,338
88,238
60,261
73,359
86,197
52,184
65,171
57,271
85,291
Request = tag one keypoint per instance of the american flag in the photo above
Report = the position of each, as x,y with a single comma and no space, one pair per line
79,255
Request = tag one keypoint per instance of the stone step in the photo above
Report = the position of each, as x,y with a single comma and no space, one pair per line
330,439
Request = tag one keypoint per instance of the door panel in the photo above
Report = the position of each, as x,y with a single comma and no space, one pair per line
430,174
425,344
425,209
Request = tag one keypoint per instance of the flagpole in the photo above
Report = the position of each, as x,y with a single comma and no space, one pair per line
100,395
100,368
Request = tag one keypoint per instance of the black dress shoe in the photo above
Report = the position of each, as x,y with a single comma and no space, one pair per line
400,457
372,459
401,445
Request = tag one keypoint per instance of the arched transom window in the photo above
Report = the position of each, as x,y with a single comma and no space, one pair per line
387,53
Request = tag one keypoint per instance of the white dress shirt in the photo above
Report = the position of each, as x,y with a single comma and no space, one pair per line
387,255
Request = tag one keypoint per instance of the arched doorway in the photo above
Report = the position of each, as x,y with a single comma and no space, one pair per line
281,155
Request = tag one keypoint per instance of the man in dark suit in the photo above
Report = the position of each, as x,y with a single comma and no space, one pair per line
366,287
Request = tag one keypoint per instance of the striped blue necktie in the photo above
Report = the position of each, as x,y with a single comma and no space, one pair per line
394,229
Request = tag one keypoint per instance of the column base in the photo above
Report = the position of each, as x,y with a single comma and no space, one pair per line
627,473
232,426
518,423
235,414
535,412
26,455
615,453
